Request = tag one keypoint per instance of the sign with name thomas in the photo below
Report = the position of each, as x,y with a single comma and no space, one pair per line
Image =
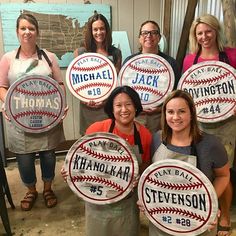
177,197
35,103
101,168
151,76
212,85
91,77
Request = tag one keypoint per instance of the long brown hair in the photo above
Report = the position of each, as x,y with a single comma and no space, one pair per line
90,44
194,129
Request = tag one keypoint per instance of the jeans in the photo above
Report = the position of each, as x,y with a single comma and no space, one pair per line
26,166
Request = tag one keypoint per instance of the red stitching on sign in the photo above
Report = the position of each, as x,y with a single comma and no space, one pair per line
147,70
189,186
178,211
105,157
98,180
91,68
36,93
32,113
215,100
86,86
208,80
147,89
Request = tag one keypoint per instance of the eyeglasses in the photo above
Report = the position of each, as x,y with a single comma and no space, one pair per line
146,33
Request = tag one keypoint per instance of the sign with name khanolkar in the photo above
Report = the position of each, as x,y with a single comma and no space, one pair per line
177,197
212,85
91,77
35,103
101,168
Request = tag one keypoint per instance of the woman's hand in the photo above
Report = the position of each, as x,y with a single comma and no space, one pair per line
4,112
135,182
64,173
65,112
140,206
213,224
95,105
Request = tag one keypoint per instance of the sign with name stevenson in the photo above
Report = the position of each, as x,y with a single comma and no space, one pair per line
101,168
35,103
177,197
91,77
212,85
151,76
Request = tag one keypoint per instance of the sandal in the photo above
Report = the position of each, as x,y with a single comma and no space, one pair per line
50,198
223,230
29,199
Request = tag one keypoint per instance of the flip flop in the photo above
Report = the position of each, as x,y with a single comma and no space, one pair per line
30,199
225,229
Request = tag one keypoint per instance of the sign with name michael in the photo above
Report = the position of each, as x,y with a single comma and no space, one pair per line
35,103
91,77
101,168
151,76
177,197
212,85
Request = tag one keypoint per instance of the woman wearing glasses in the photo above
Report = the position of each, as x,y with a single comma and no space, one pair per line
149,37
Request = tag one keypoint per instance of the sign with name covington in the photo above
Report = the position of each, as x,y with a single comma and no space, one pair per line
101,168
35,103
212,85
91,77
178,198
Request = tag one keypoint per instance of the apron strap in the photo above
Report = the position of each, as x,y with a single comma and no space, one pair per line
137,139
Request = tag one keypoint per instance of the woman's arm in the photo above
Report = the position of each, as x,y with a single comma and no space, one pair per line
222,177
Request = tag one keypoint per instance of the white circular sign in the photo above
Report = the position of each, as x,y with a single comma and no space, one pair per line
35,103
151,76
91,77
101,168
212,85
178,198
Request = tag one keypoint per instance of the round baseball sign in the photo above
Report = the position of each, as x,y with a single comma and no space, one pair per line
151,76
212,85
178,198
91,77
35,103
101,168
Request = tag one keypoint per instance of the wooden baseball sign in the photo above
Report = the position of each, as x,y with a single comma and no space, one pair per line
212,85
35,103
101,168
178,198
151,76
91,77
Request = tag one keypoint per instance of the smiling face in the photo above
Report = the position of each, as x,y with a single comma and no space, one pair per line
26,32
178,116
99,31
149,42
206,36
123,109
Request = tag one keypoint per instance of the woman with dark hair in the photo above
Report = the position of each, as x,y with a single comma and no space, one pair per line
120,218
29,59
149,37
181,135
98,39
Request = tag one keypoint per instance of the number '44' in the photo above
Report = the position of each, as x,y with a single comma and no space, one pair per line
214,109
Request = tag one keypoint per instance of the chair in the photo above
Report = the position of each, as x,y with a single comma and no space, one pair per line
4,190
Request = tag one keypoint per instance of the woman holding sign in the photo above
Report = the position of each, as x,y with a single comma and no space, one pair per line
149,37
28,59
98,39
181,135
122,217
206,44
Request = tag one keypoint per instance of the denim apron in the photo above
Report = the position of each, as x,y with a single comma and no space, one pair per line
23,142
120,218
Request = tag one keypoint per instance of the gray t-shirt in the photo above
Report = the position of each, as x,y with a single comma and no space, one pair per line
210,152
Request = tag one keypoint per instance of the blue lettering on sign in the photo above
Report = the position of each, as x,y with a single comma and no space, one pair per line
150,80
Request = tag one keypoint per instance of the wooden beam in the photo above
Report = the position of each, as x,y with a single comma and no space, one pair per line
229,9
167,22
189,16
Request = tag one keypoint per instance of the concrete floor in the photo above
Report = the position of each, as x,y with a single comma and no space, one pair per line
67,218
